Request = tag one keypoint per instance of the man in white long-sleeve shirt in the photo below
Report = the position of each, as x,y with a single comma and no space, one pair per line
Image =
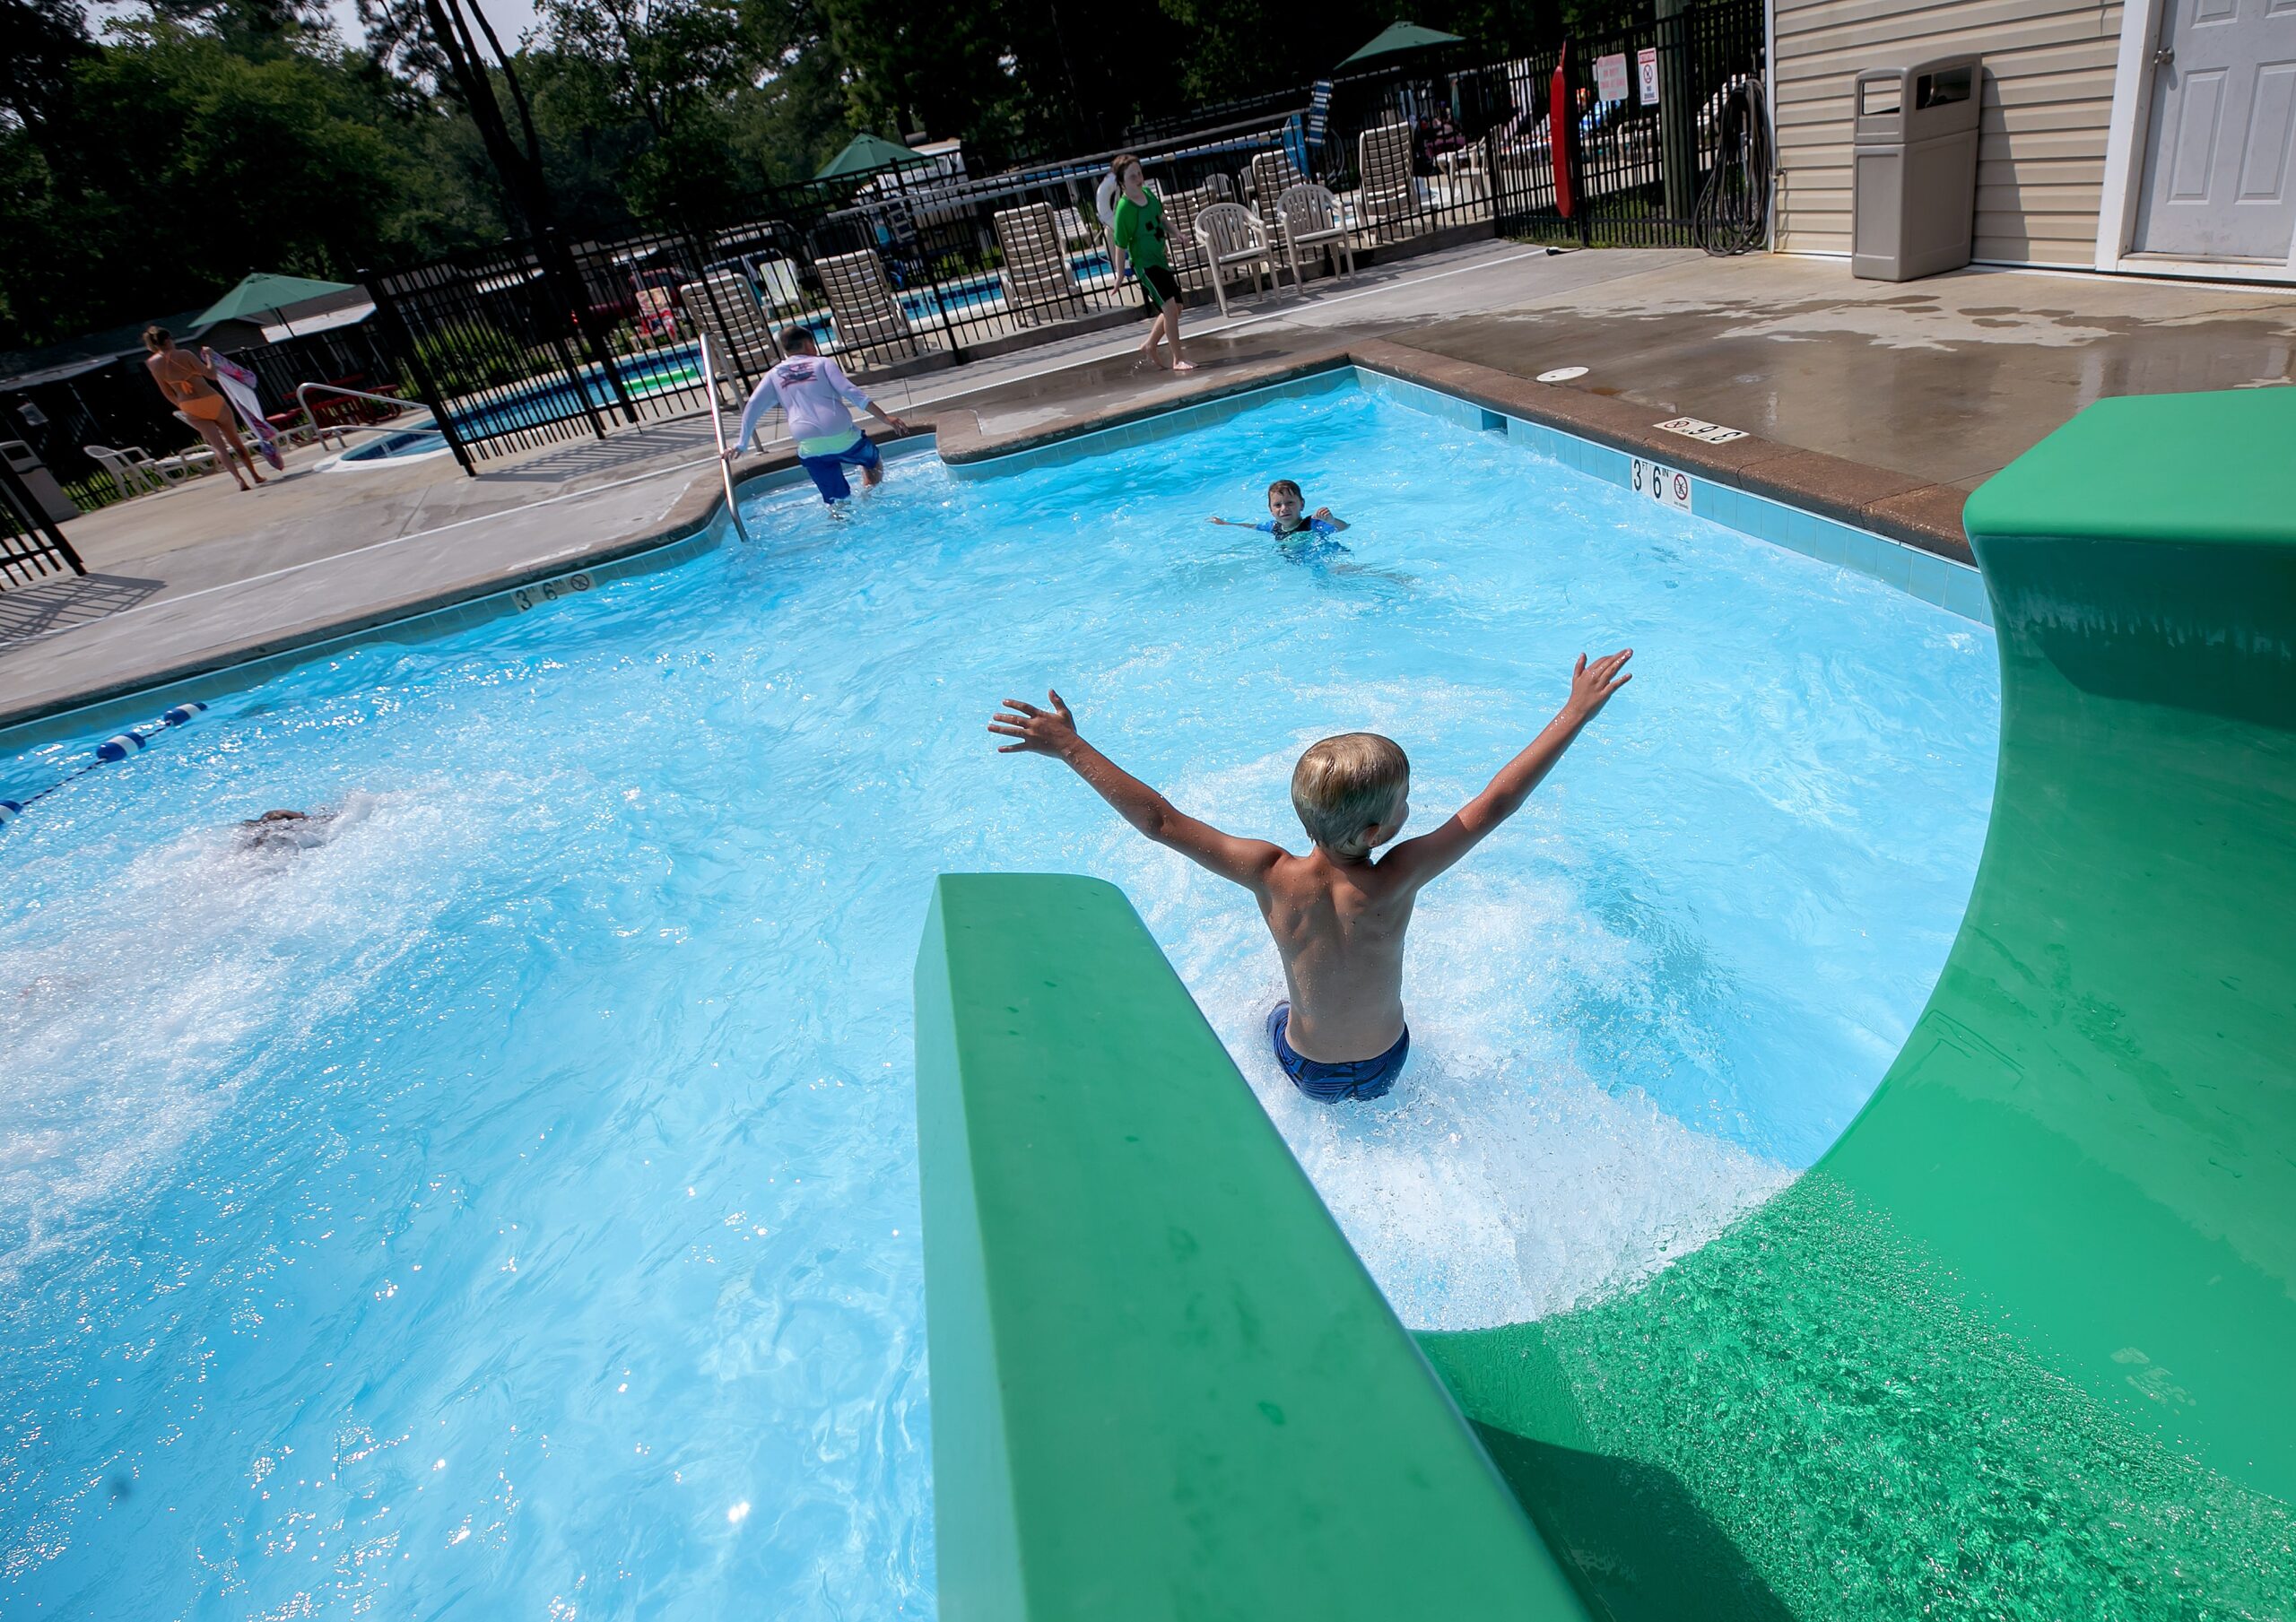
814,390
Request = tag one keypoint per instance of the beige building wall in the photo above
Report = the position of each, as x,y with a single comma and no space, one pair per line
2048,92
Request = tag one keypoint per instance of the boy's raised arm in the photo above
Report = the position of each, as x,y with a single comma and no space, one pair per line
1053,731
1416,861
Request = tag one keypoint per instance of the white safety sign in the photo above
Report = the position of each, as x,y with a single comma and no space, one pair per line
1708,433
1669,485
1610,78
1645,70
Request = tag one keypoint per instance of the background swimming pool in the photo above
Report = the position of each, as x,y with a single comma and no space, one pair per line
508,1206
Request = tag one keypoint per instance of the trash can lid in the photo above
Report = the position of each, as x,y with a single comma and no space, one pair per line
2206,467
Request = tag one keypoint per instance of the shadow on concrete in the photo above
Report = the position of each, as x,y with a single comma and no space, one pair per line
52,605
624,451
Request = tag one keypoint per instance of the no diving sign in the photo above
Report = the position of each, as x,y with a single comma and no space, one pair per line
1669,485
1708,433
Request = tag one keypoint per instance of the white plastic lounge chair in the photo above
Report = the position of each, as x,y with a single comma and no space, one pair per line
1388,203
777,282
724,305
187,464
869,319
134,470
1272,175
1039,284
1232,237
1181,246
1312,226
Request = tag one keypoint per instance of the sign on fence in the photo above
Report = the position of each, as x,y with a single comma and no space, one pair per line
1610,78
1646,69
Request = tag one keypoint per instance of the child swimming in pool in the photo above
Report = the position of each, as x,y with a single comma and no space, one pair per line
816,393
1338,915
1288,519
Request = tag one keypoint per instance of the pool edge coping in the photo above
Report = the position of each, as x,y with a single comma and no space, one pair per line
1894,506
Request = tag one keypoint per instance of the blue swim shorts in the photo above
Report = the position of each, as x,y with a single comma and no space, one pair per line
1333,1083
829,471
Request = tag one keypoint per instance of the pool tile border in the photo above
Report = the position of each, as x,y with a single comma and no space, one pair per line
1880,523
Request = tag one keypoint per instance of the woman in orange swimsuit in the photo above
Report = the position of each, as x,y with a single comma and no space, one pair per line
189,386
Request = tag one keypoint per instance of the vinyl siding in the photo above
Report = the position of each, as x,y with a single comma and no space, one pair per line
2048,95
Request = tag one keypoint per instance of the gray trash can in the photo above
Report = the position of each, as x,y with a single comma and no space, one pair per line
1914,179
38,480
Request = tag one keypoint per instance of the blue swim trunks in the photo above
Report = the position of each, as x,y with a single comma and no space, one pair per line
829,468
1333,1083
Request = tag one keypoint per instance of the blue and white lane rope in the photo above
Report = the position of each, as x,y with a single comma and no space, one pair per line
117,747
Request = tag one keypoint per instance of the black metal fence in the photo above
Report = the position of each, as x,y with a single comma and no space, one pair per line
1638,150
31,548
536,342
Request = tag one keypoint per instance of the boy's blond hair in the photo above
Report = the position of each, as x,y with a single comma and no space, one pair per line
1343,785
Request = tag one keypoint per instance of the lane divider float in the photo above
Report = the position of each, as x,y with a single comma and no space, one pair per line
117,747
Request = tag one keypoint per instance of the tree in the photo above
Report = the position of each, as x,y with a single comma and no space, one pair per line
39,46
665,70
170,164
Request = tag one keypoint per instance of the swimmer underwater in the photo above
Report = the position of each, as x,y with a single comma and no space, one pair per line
1338,915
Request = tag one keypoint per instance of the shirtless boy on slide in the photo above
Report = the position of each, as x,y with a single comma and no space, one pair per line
1338,916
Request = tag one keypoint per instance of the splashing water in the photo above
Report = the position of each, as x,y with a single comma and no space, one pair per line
506,1202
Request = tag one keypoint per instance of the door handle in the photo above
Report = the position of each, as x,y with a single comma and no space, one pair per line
2165,56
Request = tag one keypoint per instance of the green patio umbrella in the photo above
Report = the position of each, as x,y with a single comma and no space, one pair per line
865,154
1397,38
261,294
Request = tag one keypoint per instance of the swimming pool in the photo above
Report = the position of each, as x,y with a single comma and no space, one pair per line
545,402
507,1204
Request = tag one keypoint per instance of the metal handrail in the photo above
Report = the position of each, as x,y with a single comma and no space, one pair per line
302,399
718,427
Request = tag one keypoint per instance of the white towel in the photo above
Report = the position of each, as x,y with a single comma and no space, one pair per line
238,385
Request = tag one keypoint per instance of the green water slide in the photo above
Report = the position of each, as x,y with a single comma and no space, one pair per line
2022,1345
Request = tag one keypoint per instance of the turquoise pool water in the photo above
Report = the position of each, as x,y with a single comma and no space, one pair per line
505,1204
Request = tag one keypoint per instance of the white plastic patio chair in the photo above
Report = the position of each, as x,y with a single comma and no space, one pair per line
1233,237
135,472
1313,225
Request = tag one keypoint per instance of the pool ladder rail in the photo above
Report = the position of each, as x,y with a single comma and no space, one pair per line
717,427
343,430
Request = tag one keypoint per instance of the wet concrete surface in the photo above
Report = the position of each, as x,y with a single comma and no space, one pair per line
1946,379
1942,381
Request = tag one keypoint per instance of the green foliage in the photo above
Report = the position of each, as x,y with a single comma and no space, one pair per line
171,162
143,173
474,354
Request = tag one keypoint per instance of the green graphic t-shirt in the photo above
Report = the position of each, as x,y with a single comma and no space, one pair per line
1139,230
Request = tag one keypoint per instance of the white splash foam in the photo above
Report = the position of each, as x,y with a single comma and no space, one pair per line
1501,1182
134,1007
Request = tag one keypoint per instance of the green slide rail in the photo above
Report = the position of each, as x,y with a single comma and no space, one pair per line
1163,1385
2022,1345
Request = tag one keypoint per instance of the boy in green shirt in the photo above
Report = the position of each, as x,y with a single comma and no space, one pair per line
1139,233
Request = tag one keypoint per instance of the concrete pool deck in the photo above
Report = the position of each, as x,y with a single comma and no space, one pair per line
1879,403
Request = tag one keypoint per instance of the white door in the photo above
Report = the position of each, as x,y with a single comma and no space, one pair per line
2220,165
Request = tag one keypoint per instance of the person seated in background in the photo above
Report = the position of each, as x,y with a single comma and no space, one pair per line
815,392
1290,523
1338,915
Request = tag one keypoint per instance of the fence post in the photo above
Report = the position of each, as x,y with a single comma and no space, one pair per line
557,266
1677,119
395,324
45,536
